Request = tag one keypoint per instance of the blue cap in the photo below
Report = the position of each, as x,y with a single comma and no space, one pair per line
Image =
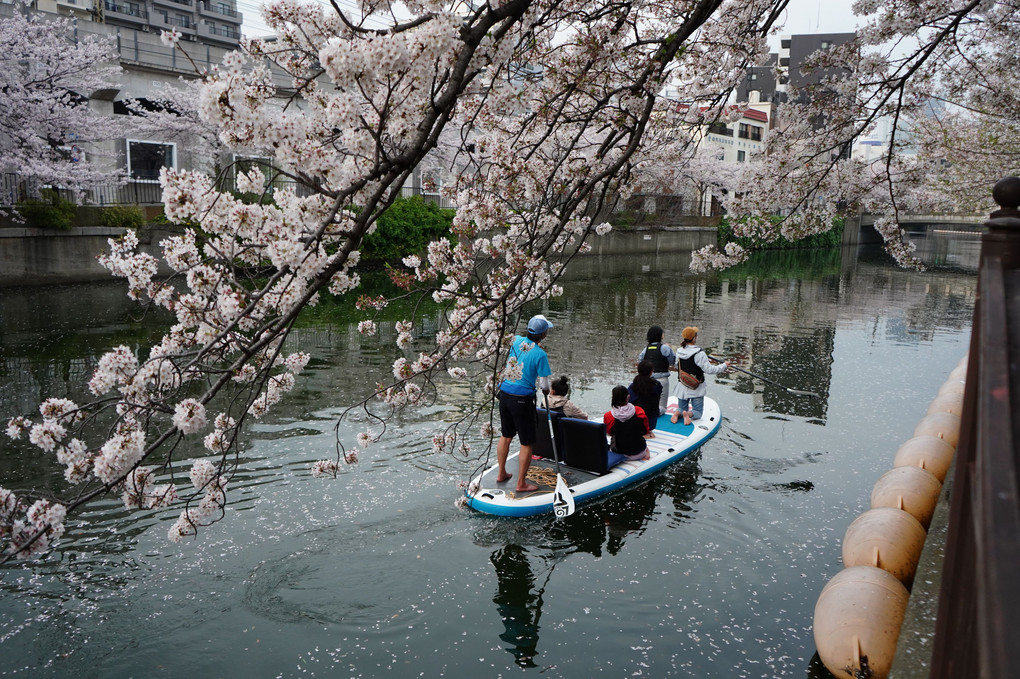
538,324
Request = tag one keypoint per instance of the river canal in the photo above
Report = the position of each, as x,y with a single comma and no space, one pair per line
711,569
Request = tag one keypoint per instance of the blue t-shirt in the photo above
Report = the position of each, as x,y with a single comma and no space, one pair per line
534,362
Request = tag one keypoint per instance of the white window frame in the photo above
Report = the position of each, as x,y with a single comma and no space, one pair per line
127,157
266,161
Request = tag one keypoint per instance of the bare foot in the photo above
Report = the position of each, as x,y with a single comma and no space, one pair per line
674,417
503,478
646,457
687,419
526,488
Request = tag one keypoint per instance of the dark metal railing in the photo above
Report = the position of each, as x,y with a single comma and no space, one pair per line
977,631
14,189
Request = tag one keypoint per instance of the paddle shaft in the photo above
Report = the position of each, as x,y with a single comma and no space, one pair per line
562,492
798,392
552,434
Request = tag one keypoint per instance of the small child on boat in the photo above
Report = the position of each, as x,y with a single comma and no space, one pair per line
627,424
558,391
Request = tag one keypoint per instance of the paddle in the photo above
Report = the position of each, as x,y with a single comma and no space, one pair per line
796,392
563,499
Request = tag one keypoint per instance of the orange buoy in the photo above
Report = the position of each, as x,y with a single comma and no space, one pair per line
927,452
952,388
857,622
886,538
915,490
947,403
946,426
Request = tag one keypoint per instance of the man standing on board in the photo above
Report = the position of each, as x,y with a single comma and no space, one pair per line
517,400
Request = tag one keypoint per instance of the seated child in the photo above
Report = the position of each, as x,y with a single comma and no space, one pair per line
645,391
558,399
628,425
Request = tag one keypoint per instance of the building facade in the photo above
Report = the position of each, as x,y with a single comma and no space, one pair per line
214,22
775,80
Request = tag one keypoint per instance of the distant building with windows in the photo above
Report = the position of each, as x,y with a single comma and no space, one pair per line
209,29
216,22
782,73
738,140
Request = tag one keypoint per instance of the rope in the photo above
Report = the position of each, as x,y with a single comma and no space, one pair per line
542,476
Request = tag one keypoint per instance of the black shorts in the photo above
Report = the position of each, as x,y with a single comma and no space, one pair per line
517,417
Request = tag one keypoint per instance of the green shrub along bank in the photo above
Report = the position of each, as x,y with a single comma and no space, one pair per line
122,216
830,239
50,211
406,227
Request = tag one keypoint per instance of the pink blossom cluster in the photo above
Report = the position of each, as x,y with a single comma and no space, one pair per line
29,530
208,479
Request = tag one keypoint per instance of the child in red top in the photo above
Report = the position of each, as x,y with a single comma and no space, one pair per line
628,425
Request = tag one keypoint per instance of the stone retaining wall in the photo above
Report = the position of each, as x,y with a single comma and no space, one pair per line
30,256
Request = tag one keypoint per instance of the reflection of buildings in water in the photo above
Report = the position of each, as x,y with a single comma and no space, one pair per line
778,314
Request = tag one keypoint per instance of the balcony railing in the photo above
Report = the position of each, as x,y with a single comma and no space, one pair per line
225,32
14,189
217,9
126,10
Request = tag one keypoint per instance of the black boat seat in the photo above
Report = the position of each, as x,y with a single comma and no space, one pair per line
543,442
586,447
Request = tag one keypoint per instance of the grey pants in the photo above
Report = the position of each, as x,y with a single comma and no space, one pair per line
664,381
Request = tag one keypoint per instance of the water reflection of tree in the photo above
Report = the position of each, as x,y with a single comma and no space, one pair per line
604,526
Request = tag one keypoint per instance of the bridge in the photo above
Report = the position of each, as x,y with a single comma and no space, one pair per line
861,229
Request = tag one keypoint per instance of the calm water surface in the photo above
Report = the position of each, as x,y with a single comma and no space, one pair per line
711,569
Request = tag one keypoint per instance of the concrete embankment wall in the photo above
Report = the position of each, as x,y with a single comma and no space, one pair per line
30,256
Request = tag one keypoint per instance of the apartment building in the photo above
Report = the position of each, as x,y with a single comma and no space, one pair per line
214,22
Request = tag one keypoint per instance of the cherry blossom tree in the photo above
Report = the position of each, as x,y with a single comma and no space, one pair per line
940,74
46,78
545,110
171,114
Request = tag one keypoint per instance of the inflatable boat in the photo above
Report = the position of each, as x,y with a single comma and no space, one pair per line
587,465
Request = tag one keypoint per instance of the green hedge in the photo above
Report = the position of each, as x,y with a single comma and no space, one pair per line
405,228
122,216
49,211
830,239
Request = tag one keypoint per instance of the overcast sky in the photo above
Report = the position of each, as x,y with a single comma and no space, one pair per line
802,16
817,16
